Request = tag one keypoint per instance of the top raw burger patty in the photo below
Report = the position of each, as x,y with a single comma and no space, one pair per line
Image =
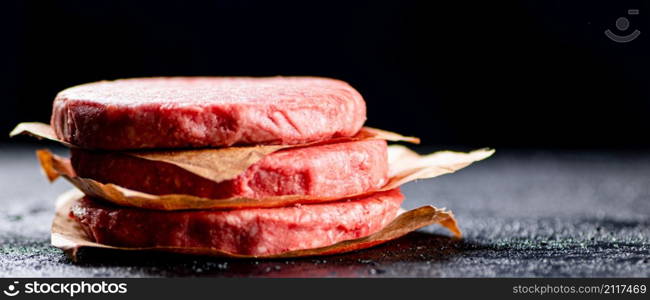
184,112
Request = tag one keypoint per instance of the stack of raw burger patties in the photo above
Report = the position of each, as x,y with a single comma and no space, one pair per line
317,116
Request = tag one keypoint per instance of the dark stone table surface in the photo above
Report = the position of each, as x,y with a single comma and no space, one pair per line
524,213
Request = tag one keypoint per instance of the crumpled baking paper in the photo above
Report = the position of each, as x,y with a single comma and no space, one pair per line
404,166
68,235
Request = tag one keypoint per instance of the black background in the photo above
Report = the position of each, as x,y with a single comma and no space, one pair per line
471,73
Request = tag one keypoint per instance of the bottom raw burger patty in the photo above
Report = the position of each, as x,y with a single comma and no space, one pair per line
257,231
331,170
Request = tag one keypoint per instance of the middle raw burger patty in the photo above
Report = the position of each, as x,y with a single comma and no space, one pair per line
256,231
331,170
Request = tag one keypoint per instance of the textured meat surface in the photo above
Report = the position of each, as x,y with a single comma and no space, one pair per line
331,170
182,112
258,231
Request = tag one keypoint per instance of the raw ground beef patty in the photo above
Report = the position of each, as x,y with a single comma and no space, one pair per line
190,112
329,170
257,231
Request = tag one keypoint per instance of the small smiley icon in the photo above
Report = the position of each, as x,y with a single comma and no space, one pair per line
622,24
12,291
